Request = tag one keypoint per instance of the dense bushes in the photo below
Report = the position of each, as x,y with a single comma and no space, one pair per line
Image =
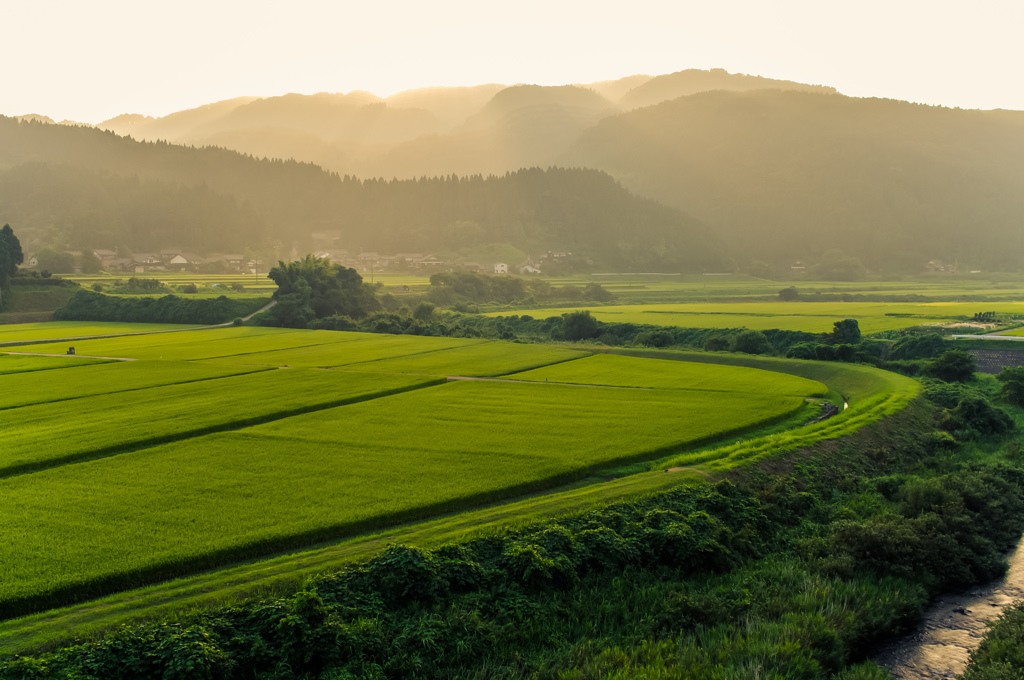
86,305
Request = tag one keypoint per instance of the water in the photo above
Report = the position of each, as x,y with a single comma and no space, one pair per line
952,627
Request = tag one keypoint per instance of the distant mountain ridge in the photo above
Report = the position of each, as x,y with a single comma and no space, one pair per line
788,175
429,131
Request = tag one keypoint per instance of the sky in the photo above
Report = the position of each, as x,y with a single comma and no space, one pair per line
89,61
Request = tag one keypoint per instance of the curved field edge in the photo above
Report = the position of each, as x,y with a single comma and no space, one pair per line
871,394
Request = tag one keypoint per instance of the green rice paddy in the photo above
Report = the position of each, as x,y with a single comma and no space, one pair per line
116,475
14,363
76,329
812,317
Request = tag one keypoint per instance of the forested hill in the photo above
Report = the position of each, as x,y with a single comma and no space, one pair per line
788,175
86,188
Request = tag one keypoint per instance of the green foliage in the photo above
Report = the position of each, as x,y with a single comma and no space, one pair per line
424,311
1012,390
954,365
314,288
51,260
1001,653
751,342
976,415
716,343
579,325
846,332
10,257
597,293
789,294
653,339
87,305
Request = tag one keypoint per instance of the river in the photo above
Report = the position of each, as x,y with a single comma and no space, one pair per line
952,627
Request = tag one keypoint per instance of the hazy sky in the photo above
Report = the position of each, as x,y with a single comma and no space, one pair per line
92,60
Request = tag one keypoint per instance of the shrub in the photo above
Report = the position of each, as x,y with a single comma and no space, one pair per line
1012,391
924,346
716,343
751,342
976,415
954,365
579,325
653,339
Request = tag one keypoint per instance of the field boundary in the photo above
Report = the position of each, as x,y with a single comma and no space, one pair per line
139,445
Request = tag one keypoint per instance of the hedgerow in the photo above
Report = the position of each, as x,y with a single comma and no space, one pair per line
87,305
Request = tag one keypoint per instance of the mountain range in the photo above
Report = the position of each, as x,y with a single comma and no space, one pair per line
781,172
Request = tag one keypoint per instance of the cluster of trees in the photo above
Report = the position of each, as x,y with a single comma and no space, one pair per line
312,288
10,257
796,575
451,288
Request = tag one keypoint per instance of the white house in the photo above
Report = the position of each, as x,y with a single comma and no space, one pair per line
500,268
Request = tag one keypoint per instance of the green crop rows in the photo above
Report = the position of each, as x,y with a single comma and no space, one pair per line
606,369
814,317
478,359
320,475
75,329
49,434
13,363
91,380
119,474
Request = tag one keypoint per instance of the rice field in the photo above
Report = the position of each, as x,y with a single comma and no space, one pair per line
59,432
92,378
608,369
116,474
76,329
14,363
811,317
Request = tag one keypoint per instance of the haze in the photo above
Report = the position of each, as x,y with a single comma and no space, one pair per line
91,61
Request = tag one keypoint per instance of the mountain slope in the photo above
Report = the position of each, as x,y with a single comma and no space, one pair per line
94,189
692,81
789,175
